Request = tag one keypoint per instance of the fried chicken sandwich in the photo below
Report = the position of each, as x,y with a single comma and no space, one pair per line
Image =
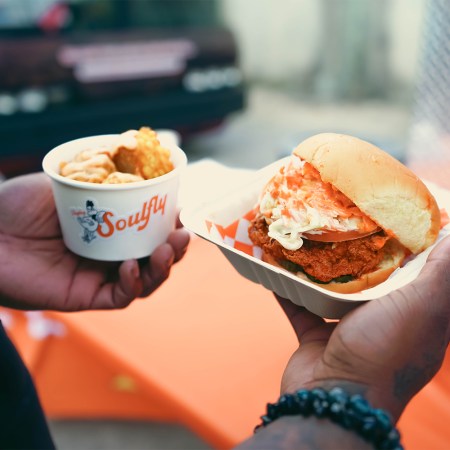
343,213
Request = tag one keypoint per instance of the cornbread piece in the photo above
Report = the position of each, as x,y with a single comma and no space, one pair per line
142,154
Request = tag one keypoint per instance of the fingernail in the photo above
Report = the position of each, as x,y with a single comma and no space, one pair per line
169,261
135,270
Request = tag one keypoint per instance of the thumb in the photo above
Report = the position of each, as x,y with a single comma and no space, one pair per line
428,296
433,283
438,262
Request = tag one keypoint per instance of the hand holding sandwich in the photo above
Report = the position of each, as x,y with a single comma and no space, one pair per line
343,214
386,350
343,205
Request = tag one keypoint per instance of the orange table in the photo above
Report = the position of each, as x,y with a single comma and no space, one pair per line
424,424
206,350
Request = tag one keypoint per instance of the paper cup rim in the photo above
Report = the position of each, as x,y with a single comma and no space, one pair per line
46,166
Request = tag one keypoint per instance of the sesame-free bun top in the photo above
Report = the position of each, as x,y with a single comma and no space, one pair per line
381,186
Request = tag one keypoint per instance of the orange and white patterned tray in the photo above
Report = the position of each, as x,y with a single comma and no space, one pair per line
224,221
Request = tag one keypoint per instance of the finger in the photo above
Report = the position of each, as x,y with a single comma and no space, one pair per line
438,262
179,240
119,294
430,292
129,285
307,326
178,222
158,269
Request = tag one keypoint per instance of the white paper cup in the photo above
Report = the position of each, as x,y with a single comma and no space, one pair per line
114,222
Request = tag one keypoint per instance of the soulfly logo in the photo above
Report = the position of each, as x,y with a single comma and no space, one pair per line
103,223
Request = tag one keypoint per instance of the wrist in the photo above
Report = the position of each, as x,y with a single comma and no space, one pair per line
349,411
299,432
378,396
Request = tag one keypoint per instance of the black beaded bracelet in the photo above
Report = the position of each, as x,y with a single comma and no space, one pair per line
352,412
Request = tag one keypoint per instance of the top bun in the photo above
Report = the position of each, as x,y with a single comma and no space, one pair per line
382,187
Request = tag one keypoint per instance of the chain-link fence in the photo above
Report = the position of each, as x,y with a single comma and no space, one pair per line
429,143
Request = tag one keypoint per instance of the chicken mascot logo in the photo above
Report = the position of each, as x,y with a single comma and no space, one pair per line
90,222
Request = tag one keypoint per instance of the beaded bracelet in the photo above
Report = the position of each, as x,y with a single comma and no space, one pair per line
352,412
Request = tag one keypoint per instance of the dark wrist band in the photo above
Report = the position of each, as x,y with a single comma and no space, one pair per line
352,412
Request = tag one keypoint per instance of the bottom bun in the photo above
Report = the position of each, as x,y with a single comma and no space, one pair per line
394,256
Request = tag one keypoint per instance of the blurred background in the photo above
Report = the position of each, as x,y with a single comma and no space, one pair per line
242,82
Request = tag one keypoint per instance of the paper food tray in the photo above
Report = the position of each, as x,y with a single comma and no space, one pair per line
224,222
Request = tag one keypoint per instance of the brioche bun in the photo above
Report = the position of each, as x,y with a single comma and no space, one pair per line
382,187
394,256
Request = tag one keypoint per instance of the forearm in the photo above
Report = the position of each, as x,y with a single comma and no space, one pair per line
297,432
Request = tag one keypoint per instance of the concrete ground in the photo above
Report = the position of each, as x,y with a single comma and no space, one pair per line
272,124
122,435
